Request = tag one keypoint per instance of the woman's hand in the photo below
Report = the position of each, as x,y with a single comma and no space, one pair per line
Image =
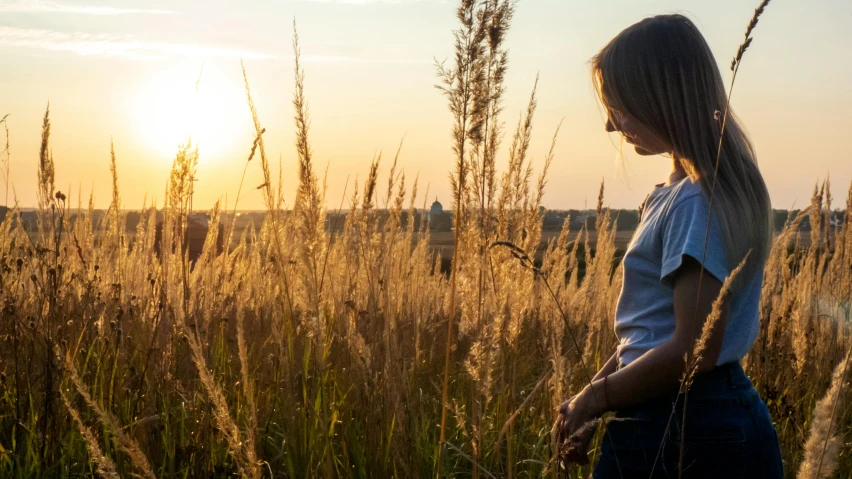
574,432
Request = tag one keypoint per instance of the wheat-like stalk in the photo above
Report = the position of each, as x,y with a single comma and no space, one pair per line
124,442
248,392
822,448
7,159
244,457
710,325
457,86
747,38
46,168
103,464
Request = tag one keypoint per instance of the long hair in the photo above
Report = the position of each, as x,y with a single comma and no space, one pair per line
661,72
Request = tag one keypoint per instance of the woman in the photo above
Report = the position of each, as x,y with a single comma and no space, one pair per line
662,91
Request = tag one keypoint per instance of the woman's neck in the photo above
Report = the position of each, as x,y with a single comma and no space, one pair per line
677,174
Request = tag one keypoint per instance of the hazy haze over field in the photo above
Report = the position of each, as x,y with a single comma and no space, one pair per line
128,69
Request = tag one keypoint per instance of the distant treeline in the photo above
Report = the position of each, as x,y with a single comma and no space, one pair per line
626,220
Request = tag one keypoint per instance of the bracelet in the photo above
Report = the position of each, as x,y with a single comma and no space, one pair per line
606,396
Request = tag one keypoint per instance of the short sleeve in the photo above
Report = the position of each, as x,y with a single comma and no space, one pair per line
684,233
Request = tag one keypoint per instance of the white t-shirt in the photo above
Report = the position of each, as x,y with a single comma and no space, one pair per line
673,224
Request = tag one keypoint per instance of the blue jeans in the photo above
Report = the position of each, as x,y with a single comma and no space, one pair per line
729,434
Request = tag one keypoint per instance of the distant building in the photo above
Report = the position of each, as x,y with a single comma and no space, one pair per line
437,208
584,218
440,220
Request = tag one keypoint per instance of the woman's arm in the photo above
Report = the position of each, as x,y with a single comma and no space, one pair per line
608,368
578,453
658,372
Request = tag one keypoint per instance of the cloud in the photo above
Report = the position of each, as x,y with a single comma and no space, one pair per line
90,44
39,6
372,2
111,45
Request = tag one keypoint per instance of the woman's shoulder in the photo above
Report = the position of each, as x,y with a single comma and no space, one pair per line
686,203
685,194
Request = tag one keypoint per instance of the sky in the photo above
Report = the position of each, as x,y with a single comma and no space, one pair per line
127,70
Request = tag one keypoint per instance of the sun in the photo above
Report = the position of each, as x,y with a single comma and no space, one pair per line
189,102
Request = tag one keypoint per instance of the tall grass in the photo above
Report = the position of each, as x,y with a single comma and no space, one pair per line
300,352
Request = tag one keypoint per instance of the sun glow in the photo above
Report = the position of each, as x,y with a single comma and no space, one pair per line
177,104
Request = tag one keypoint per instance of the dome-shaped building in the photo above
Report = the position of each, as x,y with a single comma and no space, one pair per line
437,208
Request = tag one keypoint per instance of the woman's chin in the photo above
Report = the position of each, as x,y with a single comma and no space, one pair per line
643,151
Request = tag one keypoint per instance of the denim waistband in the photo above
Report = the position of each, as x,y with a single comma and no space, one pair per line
726,384
722,379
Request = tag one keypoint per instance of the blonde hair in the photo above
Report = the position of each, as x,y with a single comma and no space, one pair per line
661,72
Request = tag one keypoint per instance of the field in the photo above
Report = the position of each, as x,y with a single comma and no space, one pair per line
443,242
300,352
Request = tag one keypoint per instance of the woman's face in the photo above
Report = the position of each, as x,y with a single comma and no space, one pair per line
644,141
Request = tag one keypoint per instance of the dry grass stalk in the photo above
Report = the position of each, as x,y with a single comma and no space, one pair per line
103,464
124,442
707,329
248,392
266,187
46,168
735,63
309,207
245,457
7,158
822,448
272,208
458,89
115,205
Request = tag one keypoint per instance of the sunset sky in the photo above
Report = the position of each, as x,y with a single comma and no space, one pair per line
128,69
